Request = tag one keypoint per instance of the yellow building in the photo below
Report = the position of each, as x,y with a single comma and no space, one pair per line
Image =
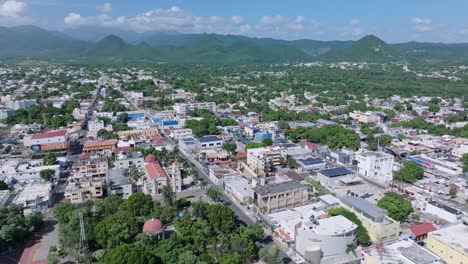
450,243
373,218
364,117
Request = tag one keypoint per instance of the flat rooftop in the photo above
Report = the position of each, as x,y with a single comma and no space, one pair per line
279,187
455,236
405,252
335,225
368,209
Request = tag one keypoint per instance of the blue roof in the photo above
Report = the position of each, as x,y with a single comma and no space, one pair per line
335,172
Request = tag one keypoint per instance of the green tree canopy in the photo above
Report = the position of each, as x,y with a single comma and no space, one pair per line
398,207
410,172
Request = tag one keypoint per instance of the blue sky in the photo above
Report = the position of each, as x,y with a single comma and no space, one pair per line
393,21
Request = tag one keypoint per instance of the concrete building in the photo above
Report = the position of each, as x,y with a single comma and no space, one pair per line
450,243
259,159
33,195
184,109
156,177
364,117
440,209
188,144
275,197
96,125
373,218
209,142
219,174
310,164
43,143
21,104
91,168
375,166
180,133
460,150
239,189
400,251
79,190
25,170
121,185
125,160
92,146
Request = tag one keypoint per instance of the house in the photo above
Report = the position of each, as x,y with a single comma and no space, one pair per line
419,231
33,195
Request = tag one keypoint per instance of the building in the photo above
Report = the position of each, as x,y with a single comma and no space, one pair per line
450,243
218,174
399,251
125,160
260,159
216,156
181,133
25,170
99,145
145,133
275,197
79,190
375,166
296,124
460,150
329,177
91,168
239,189
188,144
43,143
260,136
95,126
21,104
156,177
325,240
419,231
209,142
379,226
441,210
184,109
310,164
119,184
364,117
34,195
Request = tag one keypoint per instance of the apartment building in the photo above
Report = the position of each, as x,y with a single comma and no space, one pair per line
375,166
83,189
275,197
259,159
91,168
125,160
183,109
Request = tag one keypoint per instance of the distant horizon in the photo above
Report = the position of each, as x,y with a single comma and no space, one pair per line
394,21
149,33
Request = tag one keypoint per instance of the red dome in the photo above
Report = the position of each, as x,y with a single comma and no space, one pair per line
153,226
150,158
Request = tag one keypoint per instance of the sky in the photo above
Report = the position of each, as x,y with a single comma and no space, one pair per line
393,21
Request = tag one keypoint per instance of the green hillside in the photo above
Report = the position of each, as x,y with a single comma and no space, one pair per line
367,49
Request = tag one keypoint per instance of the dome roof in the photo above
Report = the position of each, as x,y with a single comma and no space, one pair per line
153,226
150,158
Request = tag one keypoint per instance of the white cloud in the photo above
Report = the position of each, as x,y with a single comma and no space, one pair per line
237,20
12,8
422,24
104,8
72,19
281,25
354,22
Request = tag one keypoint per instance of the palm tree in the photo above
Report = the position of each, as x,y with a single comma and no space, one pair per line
203,184
351,248
168,194
134,173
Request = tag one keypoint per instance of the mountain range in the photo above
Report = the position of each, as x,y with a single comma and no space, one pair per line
86,45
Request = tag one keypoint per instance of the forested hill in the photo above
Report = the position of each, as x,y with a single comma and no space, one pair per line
125,47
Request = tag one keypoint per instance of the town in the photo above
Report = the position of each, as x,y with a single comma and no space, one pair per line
101,156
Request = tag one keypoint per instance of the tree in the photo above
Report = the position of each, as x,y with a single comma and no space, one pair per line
433,107
3,186
130,254
464,161
398,207
411,172
351,248
230,147
117,229
221,218
270,256
199,209
213,194
168,193
134,173
138,204
267,142
415,216
50,159
453,192
47,174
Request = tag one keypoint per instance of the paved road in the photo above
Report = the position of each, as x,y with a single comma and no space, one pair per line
240,211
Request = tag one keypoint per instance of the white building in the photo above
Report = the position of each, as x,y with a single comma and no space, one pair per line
209,142
239,189
125,160
181,133
259,158
186,108
21,104
375,166
460,150
22,171
440,210
34,195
